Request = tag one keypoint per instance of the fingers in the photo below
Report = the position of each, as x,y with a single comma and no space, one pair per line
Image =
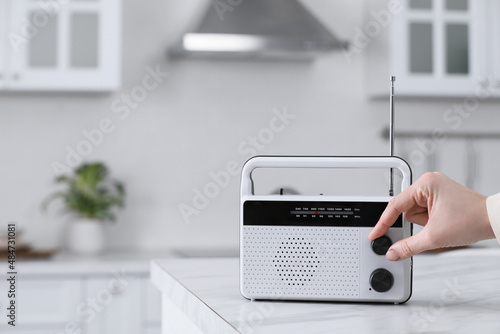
384,223
418,216
406,248
401,203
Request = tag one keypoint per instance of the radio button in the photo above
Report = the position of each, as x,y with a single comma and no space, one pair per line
381,280
381,245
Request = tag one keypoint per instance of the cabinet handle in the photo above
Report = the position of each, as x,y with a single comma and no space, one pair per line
484,83
116,289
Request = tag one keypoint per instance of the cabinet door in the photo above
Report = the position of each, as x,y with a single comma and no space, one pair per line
49,303
117,305
3,42
152,305
70,45
436,47
493,77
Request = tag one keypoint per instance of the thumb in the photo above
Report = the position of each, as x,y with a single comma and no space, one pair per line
405,248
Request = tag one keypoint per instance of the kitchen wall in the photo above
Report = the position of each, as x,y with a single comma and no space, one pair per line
199,122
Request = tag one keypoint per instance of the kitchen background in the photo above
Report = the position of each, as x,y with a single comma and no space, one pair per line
199,119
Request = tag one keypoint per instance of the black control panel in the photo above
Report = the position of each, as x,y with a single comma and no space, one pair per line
301,213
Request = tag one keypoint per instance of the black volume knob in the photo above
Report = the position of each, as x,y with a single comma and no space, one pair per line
381,280
381,245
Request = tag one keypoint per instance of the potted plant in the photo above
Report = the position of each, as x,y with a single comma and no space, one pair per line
89,196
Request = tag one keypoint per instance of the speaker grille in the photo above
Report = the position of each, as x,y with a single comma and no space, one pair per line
296,261
300,261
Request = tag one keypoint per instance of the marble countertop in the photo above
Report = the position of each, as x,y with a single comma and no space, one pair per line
453,292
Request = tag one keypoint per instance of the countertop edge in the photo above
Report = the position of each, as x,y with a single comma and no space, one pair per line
202,315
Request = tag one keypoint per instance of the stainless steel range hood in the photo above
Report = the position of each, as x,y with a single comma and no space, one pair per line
282,29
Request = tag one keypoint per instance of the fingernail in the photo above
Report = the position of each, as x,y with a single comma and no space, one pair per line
392,255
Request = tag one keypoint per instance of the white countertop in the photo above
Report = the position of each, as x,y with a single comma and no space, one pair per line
453,292
134,262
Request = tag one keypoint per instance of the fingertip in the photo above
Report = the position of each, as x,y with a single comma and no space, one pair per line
378,230
405,248
374,234
392,255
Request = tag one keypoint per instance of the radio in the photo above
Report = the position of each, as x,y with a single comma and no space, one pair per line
317,247
295,247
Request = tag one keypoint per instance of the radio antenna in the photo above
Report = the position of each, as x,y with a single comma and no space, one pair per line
391,133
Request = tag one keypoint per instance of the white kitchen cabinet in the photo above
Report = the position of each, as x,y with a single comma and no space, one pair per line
153,313
118,306
3,43
69,294
153,331
49,301
62,45
492,38
433,47
44,303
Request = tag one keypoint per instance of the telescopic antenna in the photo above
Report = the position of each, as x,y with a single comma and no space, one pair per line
391,133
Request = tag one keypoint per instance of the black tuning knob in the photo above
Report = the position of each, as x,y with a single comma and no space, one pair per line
381,245
381,280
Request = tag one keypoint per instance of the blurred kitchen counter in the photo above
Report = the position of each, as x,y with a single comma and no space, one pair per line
107,293
453,292
135,262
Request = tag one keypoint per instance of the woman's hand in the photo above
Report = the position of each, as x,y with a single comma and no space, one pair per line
452,215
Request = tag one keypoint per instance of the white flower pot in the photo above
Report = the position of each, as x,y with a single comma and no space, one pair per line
85,237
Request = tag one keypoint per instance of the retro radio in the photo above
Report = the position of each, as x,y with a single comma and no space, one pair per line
295,247
317,247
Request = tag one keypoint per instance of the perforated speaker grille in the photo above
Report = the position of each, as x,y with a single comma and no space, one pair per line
300,261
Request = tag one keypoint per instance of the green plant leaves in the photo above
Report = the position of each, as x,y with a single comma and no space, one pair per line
90,192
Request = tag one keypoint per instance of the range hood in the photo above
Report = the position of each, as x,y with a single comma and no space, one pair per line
282,29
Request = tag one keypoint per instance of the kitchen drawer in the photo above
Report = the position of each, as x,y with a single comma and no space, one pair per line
118,306
153,302
46,301
153,330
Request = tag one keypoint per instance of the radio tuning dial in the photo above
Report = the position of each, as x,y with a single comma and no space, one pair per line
381,280
381,245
